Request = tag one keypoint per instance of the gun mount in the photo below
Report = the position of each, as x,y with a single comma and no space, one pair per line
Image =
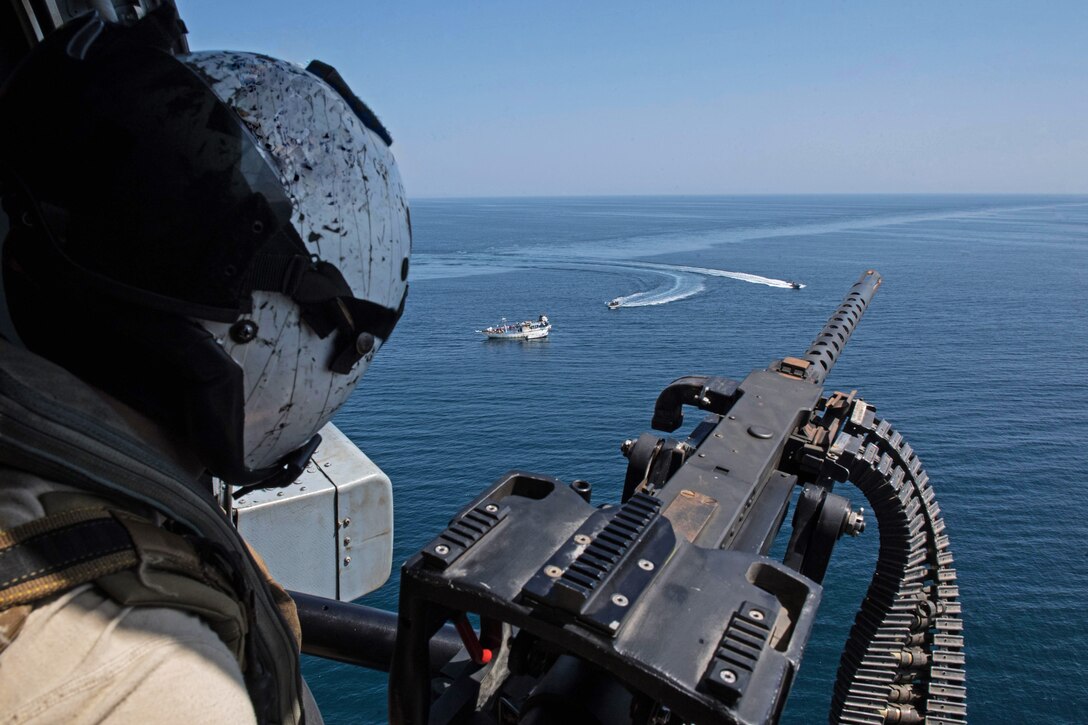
666,607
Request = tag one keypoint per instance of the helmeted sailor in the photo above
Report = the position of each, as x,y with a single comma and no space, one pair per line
203,253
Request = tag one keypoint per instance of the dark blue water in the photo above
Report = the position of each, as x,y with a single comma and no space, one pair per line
975,348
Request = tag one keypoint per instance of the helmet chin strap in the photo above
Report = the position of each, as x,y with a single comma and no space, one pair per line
284,473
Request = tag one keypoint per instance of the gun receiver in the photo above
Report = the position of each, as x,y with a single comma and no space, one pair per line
667,608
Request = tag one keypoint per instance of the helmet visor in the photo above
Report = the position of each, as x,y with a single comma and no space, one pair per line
164,196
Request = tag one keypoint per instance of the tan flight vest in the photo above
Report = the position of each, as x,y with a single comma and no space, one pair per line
54,426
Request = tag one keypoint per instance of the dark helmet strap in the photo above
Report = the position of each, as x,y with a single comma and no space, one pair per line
369,321
318,290
327,304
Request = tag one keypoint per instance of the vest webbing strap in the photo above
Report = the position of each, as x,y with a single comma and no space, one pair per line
56,553
126,556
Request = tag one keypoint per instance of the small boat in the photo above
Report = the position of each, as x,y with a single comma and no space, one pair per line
794,285
614,304
527,330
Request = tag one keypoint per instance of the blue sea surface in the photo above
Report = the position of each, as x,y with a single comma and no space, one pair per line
974,347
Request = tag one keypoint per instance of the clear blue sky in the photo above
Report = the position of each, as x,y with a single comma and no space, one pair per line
558,98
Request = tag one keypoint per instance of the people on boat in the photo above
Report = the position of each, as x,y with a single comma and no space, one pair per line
527,329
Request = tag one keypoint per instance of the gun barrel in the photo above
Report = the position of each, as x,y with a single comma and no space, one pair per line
825,349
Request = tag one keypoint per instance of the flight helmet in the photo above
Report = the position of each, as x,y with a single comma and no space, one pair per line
218,239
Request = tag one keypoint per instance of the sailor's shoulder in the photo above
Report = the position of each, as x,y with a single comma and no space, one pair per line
84,657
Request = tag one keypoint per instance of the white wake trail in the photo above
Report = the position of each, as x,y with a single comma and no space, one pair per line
683,281
682,287
709,272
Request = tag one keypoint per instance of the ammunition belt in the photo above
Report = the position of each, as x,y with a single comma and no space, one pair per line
904,658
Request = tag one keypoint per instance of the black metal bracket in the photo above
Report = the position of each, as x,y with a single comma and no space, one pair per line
709,393
462,533
739,651
819,521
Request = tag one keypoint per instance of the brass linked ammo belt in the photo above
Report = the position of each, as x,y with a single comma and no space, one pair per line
906,646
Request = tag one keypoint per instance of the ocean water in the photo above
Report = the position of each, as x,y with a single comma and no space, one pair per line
974,347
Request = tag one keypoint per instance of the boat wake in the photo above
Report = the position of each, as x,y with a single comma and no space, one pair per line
618,256
709,272
680,287
680,281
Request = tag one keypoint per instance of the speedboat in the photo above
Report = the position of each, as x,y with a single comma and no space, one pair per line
614,304
794,285
527,330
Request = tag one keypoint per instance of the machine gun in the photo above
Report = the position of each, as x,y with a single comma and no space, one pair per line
666,608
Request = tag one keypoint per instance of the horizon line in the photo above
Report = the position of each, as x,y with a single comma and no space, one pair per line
1009,194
